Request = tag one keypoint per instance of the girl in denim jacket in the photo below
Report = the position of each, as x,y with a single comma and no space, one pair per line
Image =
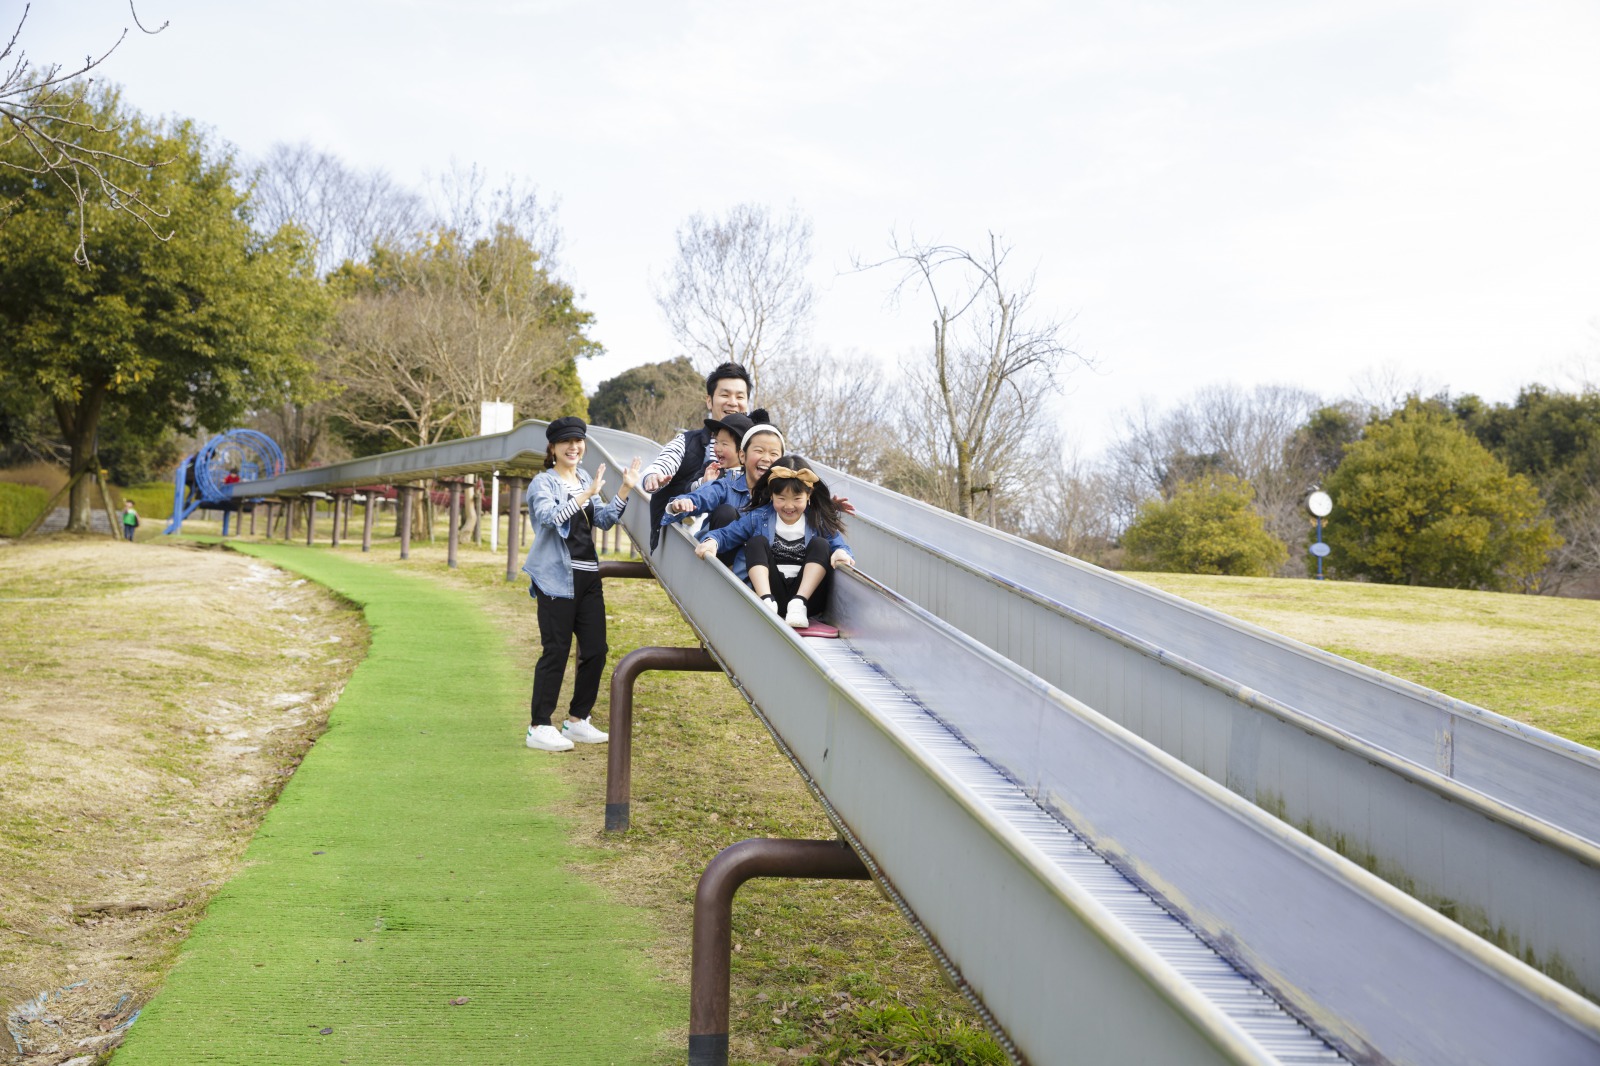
793,538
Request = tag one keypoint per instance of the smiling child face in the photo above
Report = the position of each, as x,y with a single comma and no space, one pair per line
726,448
762,451
790,499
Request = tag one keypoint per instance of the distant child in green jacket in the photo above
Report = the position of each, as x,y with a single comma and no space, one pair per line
130,520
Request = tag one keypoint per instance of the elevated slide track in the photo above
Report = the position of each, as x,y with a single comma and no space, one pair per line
1097,897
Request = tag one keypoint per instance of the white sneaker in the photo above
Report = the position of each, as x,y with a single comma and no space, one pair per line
583,731
770,604
546,738
796,615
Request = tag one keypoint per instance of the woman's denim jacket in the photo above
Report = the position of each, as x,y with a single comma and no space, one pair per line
549,563
759,522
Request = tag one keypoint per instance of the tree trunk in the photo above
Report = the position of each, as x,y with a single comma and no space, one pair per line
964,487
476,492
79,423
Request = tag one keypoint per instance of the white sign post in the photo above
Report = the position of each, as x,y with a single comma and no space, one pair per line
494,417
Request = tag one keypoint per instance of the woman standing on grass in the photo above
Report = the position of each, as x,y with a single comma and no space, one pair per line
564,578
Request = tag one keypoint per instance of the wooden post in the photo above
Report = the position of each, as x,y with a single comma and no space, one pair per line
513,524
405,521
455,520
105,500
333,540
311,519
253,519
366,520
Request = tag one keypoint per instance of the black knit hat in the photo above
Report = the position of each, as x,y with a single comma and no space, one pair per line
569,428
736,423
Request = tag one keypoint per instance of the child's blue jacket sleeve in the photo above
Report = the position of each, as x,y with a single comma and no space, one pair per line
735,533
761,521
706,498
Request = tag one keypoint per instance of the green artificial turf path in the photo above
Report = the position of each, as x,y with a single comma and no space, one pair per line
420,854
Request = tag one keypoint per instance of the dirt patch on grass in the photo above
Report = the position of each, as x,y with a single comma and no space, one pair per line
153,701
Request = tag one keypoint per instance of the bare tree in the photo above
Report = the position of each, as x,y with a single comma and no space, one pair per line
467,317
980,393
1254,435
738,290
1221,429
834,409
1575,564
346,214
42,107
1070,507
1384,387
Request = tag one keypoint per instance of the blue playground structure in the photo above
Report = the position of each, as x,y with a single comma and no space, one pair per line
206,478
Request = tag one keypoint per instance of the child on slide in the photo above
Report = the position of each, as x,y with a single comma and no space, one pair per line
793,539
755,444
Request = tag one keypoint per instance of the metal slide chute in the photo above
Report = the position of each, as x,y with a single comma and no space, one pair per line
1096,897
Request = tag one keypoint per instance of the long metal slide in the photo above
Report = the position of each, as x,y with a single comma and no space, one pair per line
1100,899
1499,831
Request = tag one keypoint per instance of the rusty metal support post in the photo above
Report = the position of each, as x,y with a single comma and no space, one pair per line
405,520
455,520
713,923
366,522
514,488
619,756
618,568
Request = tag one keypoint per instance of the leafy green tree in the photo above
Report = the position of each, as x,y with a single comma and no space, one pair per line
1207,527
1318,445
156,331
1419,501
651,400
1552,437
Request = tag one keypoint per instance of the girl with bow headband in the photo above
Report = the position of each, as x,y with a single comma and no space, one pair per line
793,538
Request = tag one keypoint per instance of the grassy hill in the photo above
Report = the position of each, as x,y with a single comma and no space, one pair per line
1532,658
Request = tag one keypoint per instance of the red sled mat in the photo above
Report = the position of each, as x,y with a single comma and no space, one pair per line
818,629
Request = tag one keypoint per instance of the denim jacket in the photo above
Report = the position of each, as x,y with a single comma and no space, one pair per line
731,488
759,522
549,564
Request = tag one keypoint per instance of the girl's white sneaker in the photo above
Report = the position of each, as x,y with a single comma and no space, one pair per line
547,738
796,614
583,731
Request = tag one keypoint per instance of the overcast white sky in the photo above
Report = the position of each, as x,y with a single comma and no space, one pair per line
1238,190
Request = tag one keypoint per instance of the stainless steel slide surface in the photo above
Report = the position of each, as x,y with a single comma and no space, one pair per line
1055,858
1498,870
1547,776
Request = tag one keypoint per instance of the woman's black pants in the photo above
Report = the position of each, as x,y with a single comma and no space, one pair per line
583,616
